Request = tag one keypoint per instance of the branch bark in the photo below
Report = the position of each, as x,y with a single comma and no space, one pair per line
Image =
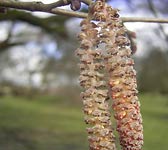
141,19
50,8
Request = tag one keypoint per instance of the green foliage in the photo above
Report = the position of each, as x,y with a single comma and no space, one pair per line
57,124
40,125
155,116
153,76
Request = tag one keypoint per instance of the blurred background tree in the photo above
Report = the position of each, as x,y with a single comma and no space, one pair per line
37,61
38,48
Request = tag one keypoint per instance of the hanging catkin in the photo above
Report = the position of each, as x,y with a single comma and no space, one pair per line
122,80
95,97
109,35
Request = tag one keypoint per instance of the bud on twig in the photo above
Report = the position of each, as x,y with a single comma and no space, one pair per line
75,5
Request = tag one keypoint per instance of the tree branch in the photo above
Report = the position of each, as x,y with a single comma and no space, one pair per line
39,6
141,19
54,23
87,2
58,4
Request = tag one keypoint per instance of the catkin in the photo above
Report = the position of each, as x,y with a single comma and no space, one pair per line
104,44
95,97
122,76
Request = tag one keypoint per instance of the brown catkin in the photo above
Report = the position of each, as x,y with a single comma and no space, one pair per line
109,35
122,76
95,97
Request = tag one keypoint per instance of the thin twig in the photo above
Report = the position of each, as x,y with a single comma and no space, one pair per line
65,12
58,4
87,2
141,19
39,6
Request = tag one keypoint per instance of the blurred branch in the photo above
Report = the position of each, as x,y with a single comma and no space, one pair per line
58,4
55,24
87,2
153,9
33,6
10,31
2,10
7,43
65,2
39,6
4,45
141,19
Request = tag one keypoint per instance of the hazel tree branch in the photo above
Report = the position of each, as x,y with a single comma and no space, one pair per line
58,4
141,19
30,6
52,8
87,2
